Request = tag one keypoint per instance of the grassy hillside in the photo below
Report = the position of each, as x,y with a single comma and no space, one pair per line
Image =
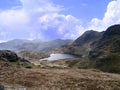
82,45
99,50
65,79
106,51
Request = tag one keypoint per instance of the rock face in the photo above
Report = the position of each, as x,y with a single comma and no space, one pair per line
1,87
11,59
106,51
7,55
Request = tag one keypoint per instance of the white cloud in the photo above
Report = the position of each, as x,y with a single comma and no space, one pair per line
13,18
3,35
111,16
35,19
42,19
63,25
1,41
43,6
113,13
84,4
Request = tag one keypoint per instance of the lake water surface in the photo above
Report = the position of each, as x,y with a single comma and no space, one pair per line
59,56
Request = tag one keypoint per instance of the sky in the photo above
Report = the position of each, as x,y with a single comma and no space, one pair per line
53,19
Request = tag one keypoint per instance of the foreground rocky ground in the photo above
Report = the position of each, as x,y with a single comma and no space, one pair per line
58,79
55,75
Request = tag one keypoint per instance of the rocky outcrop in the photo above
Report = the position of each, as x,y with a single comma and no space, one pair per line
7,55
1,87
11,59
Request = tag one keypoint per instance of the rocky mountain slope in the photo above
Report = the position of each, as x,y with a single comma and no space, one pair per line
100,50
106,51
110,41
82,45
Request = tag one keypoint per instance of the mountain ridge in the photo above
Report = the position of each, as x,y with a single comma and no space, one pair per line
32,45
106,51
99,50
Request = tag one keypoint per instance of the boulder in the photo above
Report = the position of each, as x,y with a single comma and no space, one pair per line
8,55
1,87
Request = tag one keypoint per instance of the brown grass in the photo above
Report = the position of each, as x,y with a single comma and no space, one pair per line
58,79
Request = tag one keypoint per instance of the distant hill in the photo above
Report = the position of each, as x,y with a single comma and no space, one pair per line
32,45
10,45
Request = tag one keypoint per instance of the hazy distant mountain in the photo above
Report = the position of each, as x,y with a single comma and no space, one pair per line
10,45
32,45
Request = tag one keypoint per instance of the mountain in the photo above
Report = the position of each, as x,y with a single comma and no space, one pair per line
11,44
106,51
87,37
99,50
82,45
110,40
32,45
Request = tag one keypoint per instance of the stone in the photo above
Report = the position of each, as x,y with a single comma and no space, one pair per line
1,87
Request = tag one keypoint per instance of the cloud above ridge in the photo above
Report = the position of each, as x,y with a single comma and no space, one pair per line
42,19
111,16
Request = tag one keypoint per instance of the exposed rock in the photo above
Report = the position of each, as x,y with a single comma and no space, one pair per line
7,55
1,87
